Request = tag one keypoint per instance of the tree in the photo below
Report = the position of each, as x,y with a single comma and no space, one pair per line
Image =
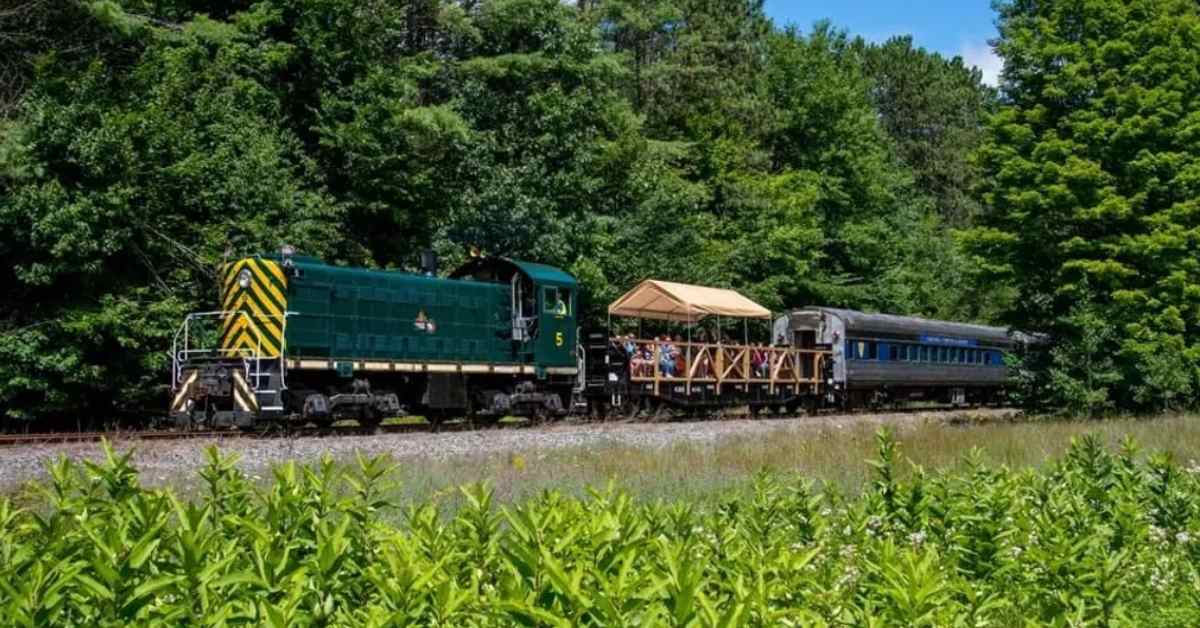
143,142
1082,370
1093,176
123,189
934,109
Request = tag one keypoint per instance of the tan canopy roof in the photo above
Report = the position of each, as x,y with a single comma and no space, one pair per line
669,301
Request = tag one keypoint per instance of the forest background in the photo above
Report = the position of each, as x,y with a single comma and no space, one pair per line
143,142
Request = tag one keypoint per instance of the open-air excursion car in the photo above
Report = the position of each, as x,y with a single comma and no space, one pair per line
697,370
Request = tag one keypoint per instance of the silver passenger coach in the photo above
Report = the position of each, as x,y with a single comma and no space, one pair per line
882,358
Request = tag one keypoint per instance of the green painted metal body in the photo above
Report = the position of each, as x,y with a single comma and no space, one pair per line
345,313
556,300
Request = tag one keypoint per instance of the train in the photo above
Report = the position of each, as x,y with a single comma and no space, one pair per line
298,341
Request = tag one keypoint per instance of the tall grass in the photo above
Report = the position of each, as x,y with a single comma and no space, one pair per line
1095,536
832,454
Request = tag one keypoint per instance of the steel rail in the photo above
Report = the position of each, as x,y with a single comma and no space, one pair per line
53,438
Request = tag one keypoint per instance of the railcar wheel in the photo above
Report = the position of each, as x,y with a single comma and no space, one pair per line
641,408
661,412
369,417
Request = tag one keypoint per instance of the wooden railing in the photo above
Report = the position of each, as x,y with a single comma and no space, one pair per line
707,363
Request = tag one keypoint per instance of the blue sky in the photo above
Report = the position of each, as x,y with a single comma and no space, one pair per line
951,27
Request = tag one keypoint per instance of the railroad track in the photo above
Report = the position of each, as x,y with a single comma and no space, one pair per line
50,438
14,440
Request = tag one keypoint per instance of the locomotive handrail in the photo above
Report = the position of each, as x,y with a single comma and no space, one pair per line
181,356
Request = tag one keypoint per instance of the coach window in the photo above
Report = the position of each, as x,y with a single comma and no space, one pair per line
894,353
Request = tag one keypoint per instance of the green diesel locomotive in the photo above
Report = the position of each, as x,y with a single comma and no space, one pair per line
298,340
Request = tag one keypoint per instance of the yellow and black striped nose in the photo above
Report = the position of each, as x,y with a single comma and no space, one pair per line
254,299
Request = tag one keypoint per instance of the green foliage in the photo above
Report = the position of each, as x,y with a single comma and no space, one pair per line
142,143
935,109
1096,538
1092,166
1083,370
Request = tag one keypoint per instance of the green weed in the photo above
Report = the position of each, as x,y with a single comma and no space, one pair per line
1099,536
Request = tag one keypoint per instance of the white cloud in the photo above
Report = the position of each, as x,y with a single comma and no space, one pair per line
983,57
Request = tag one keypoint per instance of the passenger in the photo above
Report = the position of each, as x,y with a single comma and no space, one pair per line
759,361
647,360
704,369
680,359
632,354
667,356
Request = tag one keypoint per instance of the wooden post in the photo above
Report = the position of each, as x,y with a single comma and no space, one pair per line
719,365
746,370
657,359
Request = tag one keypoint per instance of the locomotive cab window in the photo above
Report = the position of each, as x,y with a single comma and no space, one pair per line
556,301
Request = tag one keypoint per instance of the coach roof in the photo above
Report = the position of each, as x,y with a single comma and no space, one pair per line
890,324
666,300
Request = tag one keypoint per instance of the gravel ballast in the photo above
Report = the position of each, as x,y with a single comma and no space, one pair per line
165,460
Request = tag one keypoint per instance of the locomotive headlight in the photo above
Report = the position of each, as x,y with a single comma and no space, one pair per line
244,278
